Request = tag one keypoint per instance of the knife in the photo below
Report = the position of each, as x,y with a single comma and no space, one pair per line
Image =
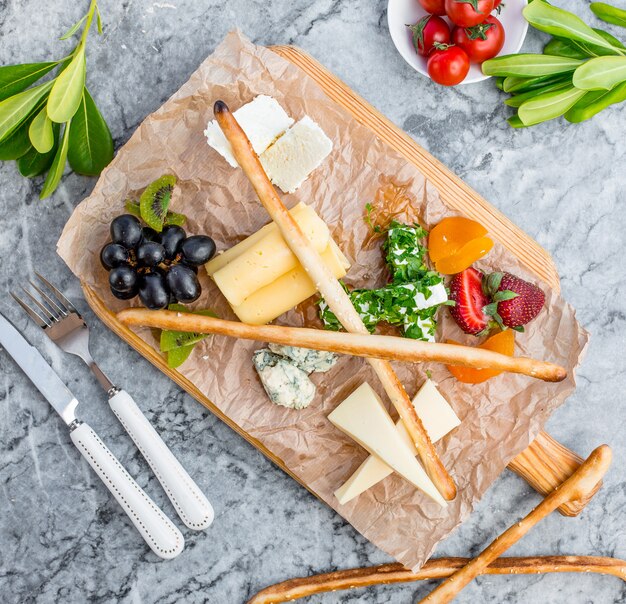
164,539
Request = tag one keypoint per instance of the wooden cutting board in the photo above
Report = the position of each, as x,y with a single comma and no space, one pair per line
545,463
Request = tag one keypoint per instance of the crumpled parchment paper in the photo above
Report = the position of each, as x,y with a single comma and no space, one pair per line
499,418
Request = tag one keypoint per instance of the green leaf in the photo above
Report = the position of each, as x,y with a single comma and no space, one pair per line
562,24
529,65
564,48
91,145
518,85
67,91
15,78
58,165
592,50
517,100
40,132
33,163
608,13
601,73
515,122
611,39
15,109
98,20
72,30
549,105
594,102
17,144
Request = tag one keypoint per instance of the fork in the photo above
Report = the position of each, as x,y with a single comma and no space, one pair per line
64,325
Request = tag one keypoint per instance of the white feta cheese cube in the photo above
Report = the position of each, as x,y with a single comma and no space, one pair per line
292,158
262,119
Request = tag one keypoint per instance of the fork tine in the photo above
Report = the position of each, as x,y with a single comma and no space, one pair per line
62,300
34,315
58,308
51,317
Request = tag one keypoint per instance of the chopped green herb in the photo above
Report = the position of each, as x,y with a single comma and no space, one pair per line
411,300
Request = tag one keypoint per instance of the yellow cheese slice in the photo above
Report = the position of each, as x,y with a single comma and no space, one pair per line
221,260
438,419
363,417
288,291
268,259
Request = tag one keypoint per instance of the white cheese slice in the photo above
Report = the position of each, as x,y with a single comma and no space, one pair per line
262,119
363,417
290,160
438,419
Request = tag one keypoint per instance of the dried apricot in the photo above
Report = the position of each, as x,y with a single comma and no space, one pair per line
502,342
456,243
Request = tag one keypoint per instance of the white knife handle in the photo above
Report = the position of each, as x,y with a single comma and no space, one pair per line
164,539
192,506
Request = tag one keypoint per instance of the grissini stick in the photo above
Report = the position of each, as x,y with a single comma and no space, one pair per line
386,574
575,487
383,347
333,293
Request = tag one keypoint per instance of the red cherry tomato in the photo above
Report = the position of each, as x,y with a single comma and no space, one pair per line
434,7
466,13
482,41
448,65
496,4
427,31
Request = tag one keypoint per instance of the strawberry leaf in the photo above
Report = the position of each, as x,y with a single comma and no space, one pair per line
506,294
491,310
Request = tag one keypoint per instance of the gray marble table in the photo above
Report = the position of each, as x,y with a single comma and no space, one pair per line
63,539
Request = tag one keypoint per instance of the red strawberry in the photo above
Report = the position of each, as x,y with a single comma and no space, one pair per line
515,302
467,292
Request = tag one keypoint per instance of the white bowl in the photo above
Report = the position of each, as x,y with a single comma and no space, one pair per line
403,12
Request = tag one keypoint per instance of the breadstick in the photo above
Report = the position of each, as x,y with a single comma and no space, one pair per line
390,348
386,574
333,293
575,487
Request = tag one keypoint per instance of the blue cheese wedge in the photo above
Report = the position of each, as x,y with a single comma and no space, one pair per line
306,359
292,158
285,384
262,119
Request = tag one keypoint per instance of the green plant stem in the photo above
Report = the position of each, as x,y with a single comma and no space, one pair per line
83,38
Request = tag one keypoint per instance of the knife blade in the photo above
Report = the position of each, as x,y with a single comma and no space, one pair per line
38,370
165,540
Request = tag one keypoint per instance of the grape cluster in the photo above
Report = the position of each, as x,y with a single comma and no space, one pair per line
159,267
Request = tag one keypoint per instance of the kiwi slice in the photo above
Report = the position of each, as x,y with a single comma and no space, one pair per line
177,356
175,218
155,200
171,340
132,207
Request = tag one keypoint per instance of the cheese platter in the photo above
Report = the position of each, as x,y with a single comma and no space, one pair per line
352,163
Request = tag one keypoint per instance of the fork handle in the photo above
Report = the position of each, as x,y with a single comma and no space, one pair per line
164,539
192,506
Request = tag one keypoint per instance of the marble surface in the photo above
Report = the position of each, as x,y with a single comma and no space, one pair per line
63,537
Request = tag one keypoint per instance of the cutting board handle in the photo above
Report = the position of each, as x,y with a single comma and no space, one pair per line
545,464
